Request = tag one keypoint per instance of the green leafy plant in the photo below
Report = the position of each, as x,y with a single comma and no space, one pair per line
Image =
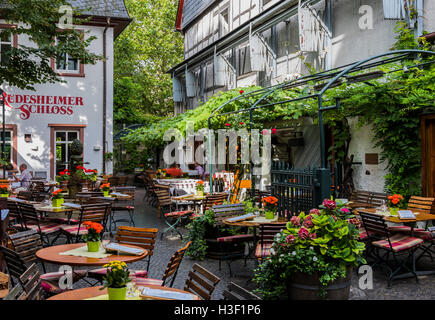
323,241
197,234
93,231
117,275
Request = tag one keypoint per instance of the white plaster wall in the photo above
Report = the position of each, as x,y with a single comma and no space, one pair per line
90,88
429,14
362,143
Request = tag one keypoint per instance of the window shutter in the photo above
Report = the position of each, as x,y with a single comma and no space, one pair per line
395,9
177,89
258,54
190,84
219,71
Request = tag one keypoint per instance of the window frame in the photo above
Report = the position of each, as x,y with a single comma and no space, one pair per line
14,36
65,73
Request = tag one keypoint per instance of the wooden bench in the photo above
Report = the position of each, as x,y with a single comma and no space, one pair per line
367,199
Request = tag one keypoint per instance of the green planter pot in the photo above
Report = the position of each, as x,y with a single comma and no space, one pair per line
93,246
269,214
200,193
57,203
4,195
106,193
117,293
393,211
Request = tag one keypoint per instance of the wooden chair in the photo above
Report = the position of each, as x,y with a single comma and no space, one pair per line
201,282
25,195
16,293
15,220
125,206
396,245
31,283
98,212
174,219
213,200
267,234
25,245
236,292
170,273
231,246
141,237
31,220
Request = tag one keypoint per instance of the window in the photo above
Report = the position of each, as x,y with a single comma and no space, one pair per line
63,143
243,60
5,46
224,23
66,63
8,145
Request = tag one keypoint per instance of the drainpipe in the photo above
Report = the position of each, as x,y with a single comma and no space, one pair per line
104,93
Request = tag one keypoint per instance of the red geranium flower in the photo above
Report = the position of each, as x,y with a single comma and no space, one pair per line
273,131
227,124
241,91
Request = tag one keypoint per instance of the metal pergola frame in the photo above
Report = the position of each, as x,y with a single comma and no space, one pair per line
332,75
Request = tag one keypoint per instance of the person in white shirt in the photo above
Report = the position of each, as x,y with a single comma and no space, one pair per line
24,178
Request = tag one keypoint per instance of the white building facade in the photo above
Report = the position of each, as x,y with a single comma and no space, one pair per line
41,124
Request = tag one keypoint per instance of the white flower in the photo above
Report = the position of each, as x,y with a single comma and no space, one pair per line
294,253
279,260
282,255
315,259
272,251
311,248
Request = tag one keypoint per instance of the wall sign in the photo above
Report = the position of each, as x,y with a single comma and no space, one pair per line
29,104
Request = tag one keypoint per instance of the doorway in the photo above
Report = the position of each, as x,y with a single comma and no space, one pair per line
428,155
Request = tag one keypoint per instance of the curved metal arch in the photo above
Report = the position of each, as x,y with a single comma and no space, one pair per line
361,62
350,68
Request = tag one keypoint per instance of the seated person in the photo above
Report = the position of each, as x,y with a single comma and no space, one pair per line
24,179
174,171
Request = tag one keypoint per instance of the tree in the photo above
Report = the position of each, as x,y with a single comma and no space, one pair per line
25,66
143,53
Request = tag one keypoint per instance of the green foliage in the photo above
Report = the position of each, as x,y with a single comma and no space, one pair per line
142,88
117,275
197,234
38,21
323,242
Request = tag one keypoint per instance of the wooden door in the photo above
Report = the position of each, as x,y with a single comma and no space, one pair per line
428,155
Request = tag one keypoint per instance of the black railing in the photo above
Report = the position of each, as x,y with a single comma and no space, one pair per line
297,190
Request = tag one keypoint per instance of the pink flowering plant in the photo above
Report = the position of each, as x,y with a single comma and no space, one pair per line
324,241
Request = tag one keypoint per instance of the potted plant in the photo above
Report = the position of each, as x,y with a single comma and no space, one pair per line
105,187
4,190
395,202
199,188
270,203
116,279
313,256
93,237
63,178
57,198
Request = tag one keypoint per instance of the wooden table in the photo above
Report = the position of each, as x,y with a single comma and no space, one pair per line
51,255
251,223
92,292
419,216
190,198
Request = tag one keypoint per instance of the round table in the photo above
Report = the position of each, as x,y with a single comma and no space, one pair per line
51,255
251,223
92,292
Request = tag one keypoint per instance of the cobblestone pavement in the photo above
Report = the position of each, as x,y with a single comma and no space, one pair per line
147,216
